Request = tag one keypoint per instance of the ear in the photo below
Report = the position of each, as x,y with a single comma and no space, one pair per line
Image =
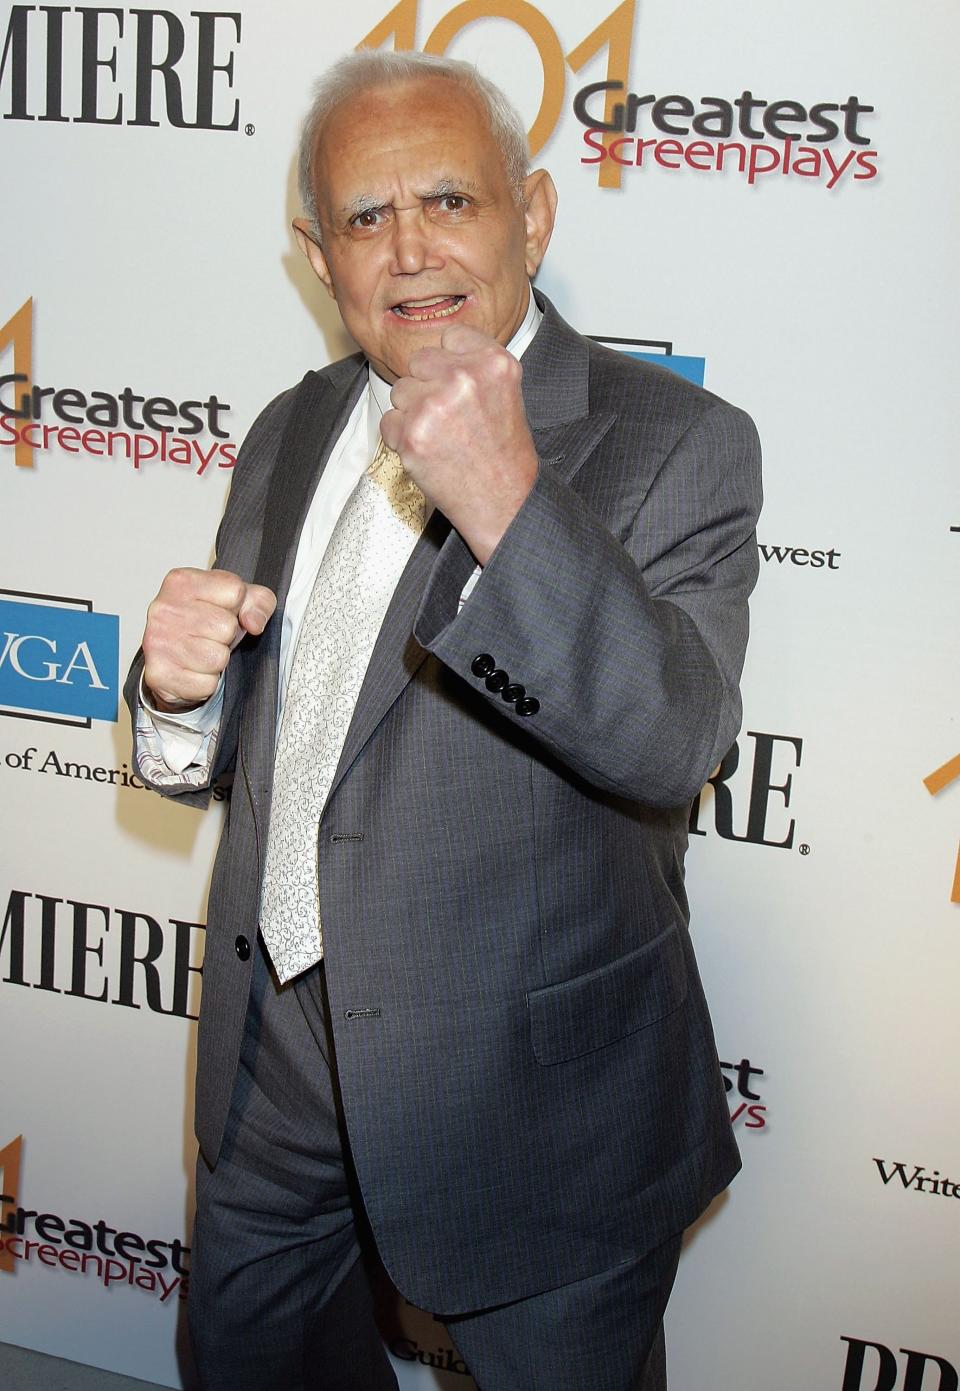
540,211
306,239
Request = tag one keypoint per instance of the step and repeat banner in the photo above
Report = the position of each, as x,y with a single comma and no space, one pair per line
760,199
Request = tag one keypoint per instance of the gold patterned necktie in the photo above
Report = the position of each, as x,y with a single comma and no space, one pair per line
367,552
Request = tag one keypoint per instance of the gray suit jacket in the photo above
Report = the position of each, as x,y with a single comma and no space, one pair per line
527,1065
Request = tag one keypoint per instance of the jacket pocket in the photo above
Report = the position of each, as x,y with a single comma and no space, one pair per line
577,1016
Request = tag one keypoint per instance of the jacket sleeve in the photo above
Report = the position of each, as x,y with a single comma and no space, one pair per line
188,787
238,541
630,647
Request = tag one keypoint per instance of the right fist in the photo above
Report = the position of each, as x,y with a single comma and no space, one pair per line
193,625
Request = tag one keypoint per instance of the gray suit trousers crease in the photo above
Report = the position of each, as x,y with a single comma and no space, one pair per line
527,1065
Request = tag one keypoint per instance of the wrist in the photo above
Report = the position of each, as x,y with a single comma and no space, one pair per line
483,531
163,706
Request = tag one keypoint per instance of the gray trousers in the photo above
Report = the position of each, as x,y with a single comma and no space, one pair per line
283,1269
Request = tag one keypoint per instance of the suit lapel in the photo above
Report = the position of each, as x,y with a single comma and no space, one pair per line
563,448
556,394
318,415
556,397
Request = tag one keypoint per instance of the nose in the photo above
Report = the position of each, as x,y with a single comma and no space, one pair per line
414,246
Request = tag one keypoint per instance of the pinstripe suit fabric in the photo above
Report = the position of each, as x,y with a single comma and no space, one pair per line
526,1060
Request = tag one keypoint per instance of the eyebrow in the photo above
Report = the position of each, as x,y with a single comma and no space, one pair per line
371,202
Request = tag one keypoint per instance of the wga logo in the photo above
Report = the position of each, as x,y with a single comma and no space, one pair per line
657,350
59,661
935,782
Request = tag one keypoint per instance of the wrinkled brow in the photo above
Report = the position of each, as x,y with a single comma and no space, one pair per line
372,202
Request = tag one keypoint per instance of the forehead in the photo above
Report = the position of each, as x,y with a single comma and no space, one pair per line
386,139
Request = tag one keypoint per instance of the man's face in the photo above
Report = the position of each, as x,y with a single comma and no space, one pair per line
420,226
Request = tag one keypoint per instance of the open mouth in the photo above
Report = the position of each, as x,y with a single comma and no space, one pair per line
421,310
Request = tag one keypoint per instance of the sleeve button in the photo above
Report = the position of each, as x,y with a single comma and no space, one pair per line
497,680
513,692
529,705
482,665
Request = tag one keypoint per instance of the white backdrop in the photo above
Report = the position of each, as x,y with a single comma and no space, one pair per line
149,260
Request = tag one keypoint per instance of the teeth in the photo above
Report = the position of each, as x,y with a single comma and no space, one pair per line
420,308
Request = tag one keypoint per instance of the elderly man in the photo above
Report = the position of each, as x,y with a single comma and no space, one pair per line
449,990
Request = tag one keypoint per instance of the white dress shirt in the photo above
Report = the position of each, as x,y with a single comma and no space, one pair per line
179,747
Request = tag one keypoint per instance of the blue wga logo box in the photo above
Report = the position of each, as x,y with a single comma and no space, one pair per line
59,661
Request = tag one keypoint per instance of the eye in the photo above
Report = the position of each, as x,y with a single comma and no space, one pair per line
452,203
370,217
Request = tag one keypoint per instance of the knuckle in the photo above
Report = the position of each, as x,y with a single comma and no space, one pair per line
211,657
234,592
416,437
179,582
156,674
501,364
223,588
225,629
156,626
465,380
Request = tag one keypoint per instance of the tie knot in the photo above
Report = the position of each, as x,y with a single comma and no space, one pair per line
405,497
386,465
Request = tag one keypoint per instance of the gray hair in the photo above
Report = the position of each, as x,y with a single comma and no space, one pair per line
369,68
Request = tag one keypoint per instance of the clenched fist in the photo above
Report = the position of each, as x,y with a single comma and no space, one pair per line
460,428
193,625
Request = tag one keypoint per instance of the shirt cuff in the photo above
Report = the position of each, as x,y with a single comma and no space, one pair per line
179,741
469,587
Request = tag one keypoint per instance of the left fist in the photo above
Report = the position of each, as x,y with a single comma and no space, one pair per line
460,428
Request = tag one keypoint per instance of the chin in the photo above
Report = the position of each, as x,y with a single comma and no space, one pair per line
397,363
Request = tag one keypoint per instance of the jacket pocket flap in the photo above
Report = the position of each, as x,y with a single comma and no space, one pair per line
576,1016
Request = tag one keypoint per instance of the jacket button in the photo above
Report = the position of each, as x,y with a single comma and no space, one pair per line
529,705
482,665
497,680
243,948
513,692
